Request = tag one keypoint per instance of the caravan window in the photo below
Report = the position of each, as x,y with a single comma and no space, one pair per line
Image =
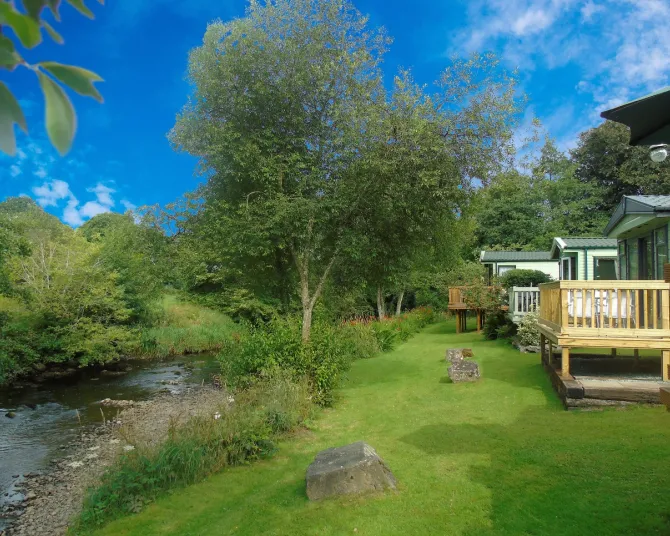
604,268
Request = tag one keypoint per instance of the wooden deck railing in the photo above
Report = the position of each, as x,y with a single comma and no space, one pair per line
456,295
606,308
523,300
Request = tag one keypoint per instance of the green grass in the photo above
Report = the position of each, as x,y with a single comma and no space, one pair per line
186,328
500,457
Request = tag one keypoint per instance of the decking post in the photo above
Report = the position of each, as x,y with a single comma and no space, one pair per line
565,362
464,319
550,352
613,352
543,347
636,354
666,365
458,321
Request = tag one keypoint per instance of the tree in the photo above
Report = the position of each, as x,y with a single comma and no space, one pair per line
605,161
279,119
511,213
60,120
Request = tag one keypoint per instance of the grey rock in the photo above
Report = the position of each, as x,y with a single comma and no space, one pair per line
464,371
351,469
529,349
458,354
109,403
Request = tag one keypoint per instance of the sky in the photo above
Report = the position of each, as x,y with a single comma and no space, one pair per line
575,58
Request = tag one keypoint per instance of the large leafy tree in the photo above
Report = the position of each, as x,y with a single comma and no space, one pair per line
280,120
606,162
425,160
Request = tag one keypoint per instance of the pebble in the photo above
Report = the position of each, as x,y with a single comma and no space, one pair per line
10,414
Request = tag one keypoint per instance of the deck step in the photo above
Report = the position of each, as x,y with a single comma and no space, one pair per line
665,397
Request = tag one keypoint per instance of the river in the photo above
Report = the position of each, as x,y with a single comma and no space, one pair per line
49,415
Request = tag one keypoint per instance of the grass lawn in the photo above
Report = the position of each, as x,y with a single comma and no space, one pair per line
497,457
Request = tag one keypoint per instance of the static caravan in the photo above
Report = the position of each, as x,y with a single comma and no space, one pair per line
499,262
586,259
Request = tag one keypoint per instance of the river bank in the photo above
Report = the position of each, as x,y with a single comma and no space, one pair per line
52,419
51,499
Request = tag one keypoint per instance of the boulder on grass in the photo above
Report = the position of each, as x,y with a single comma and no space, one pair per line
347,470
458,354
464,371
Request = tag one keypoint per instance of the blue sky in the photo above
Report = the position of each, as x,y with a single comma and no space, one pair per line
575,58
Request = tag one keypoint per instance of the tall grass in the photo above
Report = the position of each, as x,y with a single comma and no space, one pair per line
241,432
185,328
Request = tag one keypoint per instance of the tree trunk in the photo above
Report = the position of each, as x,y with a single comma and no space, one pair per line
306,323
398,307
308,301
381,306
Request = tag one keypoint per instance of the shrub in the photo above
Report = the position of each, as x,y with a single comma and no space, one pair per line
498,325
523,278
279,346
203,445
324,359
528,332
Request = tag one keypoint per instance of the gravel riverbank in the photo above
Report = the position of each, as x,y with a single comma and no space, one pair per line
51,499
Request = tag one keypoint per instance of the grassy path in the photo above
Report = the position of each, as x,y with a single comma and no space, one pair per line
497,457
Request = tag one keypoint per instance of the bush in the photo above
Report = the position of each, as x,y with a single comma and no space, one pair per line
498,325
324,359
528,333
278,346
203,445
523,278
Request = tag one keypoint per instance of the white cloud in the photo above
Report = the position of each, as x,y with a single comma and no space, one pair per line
103,194
620,48
53,193
14,170
50,193
71,215
93,208
128,205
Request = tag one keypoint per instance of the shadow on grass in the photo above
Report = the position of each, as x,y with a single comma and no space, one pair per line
566,474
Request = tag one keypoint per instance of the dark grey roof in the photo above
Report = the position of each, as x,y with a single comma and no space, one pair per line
521,256
638,204
590,243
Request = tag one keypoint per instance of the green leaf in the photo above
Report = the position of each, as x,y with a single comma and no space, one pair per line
10,113
80,80
25,28
53,6
81,7
53,33
34,8
8,56
61,121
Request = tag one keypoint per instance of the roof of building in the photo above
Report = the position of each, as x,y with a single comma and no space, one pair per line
591,242
638,204
519,256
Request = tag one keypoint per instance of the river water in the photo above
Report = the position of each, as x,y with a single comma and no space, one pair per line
49,414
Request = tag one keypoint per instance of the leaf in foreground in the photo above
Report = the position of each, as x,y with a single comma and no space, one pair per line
61,121
10,113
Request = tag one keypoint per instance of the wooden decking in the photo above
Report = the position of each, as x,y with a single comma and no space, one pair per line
583,392
458,304
605,314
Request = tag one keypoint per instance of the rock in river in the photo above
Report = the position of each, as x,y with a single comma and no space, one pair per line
10,414
351,469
